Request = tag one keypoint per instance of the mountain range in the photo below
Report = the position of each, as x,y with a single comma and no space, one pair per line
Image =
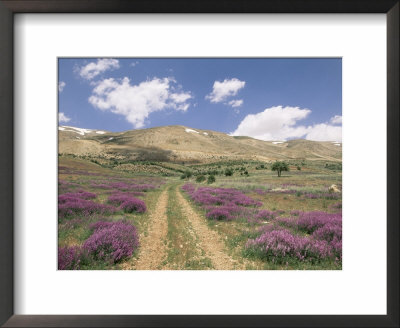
184,144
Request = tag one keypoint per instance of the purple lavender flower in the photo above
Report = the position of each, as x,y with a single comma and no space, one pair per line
219,214
80,194
311,221
223,203
71,204
287,222
112,241
329,232
127,203
133,205
69,258
324,239
279,245
265,215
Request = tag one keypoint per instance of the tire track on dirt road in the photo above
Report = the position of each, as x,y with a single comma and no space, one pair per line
152,247
210,241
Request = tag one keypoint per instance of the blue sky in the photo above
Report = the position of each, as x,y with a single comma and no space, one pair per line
269,99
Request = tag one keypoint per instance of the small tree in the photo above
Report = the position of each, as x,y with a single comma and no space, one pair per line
280,166
228,172
186,175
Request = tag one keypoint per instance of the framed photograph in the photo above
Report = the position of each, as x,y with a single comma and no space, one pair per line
181,173
220,164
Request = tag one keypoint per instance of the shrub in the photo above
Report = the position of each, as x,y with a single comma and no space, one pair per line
69,205
219,214
118,199
333,166
228,172
189,188
212,172
329,232
186,175
211,179
311,221
80,194
224,203
265,215
69,258
133,205
279,246
287,222
112,241
200,178
323,239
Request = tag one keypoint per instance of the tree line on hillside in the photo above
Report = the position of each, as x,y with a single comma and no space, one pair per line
278,166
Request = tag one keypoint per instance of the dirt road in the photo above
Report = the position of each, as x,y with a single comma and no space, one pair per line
152,247
210,241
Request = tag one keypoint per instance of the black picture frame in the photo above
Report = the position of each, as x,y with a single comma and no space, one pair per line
10,7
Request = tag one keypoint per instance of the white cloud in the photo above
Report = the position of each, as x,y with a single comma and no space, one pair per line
61,86
62,118
93,69
133,64
225,89
137,102
280,123
275,123
337,119
324,132
236,103
181,97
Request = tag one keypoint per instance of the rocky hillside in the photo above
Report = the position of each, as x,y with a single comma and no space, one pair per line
183,144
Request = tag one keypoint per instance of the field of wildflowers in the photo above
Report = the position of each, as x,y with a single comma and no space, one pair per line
265,222
310,236
99,215
221,203
286,226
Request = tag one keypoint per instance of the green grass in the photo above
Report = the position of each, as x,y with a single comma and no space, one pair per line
237,233
183,250
183,244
